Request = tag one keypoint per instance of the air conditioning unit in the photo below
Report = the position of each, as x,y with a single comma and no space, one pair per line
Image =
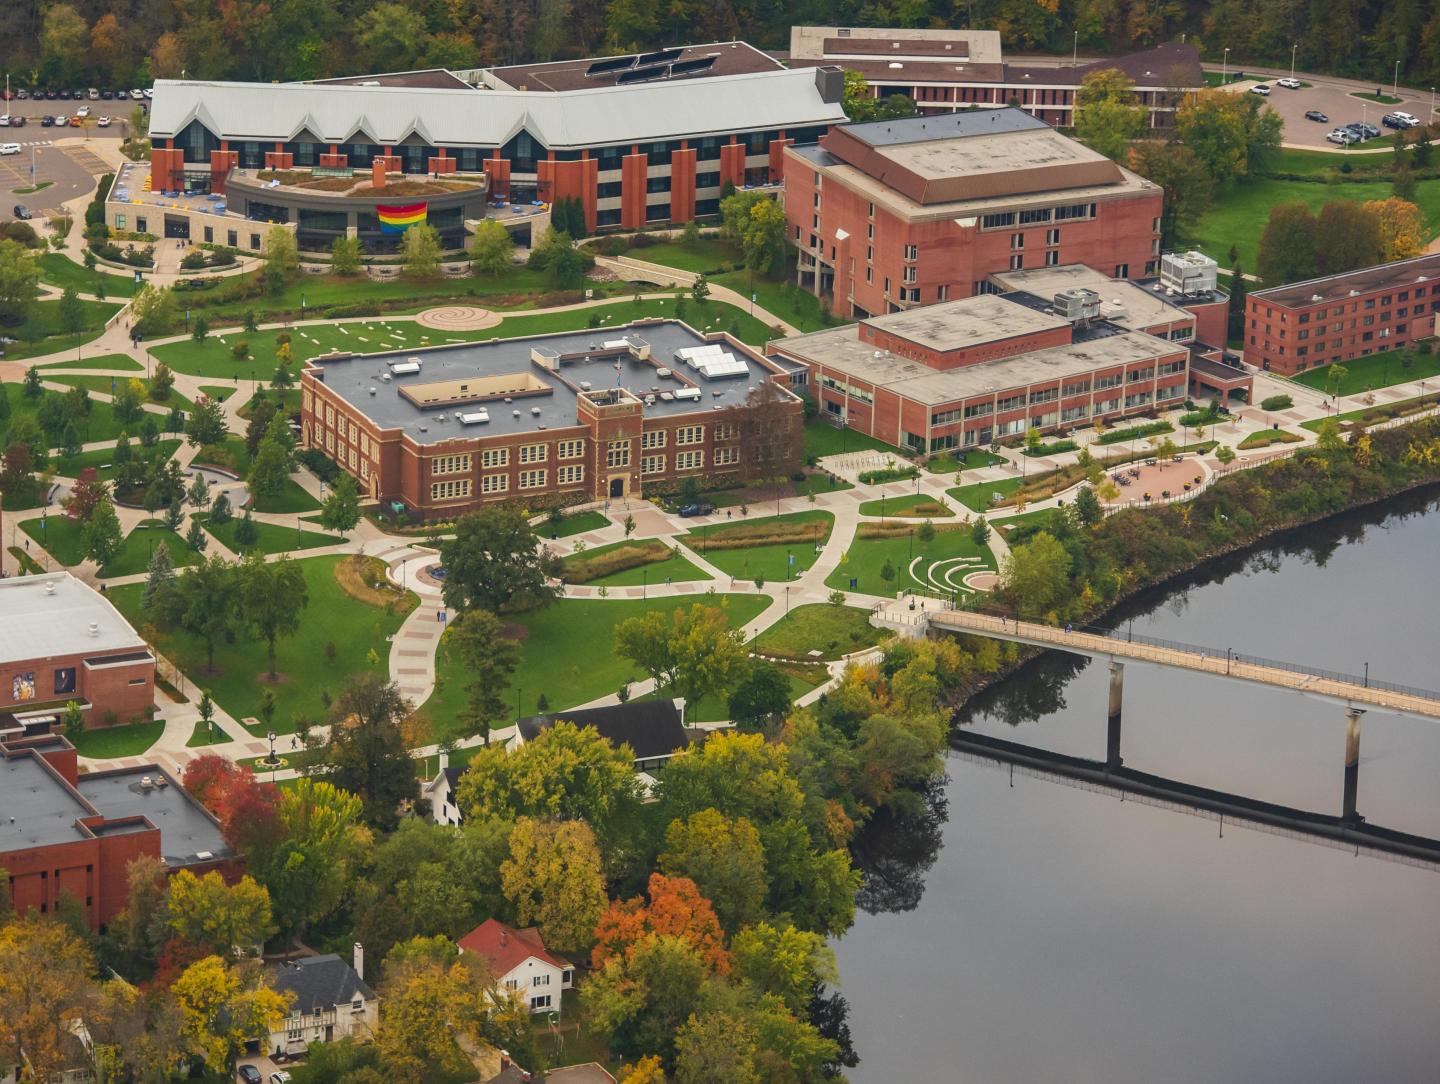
1188,272
1077,305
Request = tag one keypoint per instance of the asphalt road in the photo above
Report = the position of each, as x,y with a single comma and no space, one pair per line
1336,102
68,170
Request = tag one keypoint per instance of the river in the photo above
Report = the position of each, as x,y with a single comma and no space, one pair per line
1040,932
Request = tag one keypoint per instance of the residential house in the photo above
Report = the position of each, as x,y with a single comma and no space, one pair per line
653,729
522,963
332,1001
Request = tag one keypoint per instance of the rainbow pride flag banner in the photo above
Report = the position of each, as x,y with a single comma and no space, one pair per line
401,218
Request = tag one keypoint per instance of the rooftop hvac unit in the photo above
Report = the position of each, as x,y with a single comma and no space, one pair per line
146,783
439,417
1078,305
688,393
535,410
474,417
667,396
385,377
405,368
615,344
1188,272
514,413
204,856
584,385
662,371
373,389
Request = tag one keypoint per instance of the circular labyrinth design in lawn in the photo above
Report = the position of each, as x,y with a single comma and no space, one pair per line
458,318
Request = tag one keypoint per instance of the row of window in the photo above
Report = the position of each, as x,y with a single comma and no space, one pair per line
1037,216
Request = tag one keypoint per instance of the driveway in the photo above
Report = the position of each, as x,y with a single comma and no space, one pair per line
1336,102
66,170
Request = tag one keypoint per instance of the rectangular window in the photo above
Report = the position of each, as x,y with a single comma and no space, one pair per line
689,460
495,483
1044,395
445,491
1017,240
570,449
652,464
726,431
1032,218
997,221
653,438
541,1001
1017,263
912,252
726,457
450,464
532,479
495,457
65,681
1052,257
1052,237
534,453
1112,380
1013,402
977,410
617,453
568,476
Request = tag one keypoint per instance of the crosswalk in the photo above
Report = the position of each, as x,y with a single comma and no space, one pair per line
29,143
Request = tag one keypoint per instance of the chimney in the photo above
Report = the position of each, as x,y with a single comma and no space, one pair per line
504,937
360,960
444,763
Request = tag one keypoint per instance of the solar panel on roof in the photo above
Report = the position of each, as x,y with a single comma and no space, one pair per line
688,67
642,75
660,56
615,64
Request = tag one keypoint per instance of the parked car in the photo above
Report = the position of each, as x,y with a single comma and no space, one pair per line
279,1076
699,508
107,95
9,148
5,120
83,111
1366,129
250,1075
61,120
76,121
22,94
22,212
103,122
64,95
17,121
149,93
93,94
1288,83
51,95
47,121
1315,114
1342,136
137,94
1260,88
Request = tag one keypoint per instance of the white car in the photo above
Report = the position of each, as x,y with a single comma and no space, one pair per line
149,93
5,121
83,111
103,122
137,94
1260,88
1288,83
93,94
9,148
1341,136
1408,118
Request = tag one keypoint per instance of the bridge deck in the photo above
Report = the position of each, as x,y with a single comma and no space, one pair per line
1337,688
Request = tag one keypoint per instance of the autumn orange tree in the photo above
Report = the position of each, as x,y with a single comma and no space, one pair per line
675,908
47,984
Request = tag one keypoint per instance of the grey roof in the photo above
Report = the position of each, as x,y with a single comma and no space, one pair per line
896,133
50,613
967,322
319,983
37,808
652,728
1142,308
186,830
334,113
353,377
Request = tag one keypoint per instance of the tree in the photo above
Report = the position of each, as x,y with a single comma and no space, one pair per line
1188,188
64,42
205,603
367,752
19,283
675,909
1107,114
491,249
200,328
282,378
153,311
1335,377
220,511
206,424
1225,454
162,383
341,510
688,652
714,1048
308,873
127,402
247,532
1229,133
71,314
85,496
1349,237
422,252
1036,575
48,986
724,858
221,1007
345,256
762,238
270,469
563,263
489,658
102,534
1289,246
1402,228
1087,507
225,919
389,34
34,388
1235,321
553,879
860,105
280,252
271,595
761,696
72,720
143,926
198,494
638,1001
496,563
195,536
262,413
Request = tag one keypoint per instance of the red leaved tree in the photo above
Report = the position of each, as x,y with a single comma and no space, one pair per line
676,909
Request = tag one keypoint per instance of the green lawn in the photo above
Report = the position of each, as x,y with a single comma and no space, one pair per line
61,271
108,385
1039,517
822,438
773,562
979,496
121,362
674,569
41,333
272,538
1383,99
1376,371
28,564
568,653
127,740
703,256
331,616
575,523
204,735
1267,437
911,506
970,459
934,565
291,500
99,424
218,392
781,297
61,536
831,630
231,454
1356,415
102,459
1239,213
134,555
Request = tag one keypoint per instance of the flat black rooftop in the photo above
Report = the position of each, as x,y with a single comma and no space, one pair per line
186,831
353,378
36,808
895,133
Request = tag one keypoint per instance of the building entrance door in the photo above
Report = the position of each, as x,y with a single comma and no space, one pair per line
617,487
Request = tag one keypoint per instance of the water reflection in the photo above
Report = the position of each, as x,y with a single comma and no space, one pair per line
897,849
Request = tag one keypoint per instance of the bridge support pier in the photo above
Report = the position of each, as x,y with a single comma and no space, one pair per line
1112,729
1352,762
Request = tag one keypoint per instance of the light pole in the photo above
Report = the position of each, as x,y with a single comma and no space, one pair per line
1395,87
1075,52
1292,59
1225,67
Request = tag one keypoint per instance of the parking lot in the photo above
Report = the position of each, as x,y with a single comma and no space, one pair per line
1335,102
32,111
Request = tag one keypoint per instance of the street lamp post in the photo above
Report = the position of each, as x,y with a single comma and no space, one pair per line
1395,87
1292,59
1225,67
1075,52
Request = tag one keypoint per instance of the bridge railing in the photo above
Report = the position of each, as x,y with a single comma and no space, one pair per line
1127,635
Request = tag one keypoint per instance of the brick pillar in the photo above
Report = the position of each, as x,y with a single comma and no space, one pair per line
441,164
732,164
633,168
682,185
572,179
498,172
221,163
377,172
777,158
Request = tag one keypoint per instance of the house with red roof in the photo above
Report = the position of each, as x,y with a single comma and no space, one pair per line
522,963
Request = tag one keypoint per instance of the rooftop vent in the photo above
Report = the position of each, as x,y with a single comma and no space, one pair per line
146,783
373,389
49,587
94,628
204,856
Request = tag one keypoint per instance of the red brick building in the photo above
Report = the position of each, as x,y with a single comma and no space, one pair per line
61,832
969,373
945,70
565,418
892,214
60,640
1289,329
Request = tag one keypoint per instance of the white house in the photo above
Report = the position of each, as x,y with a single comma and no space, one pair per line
441,792
522,963
331,1002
